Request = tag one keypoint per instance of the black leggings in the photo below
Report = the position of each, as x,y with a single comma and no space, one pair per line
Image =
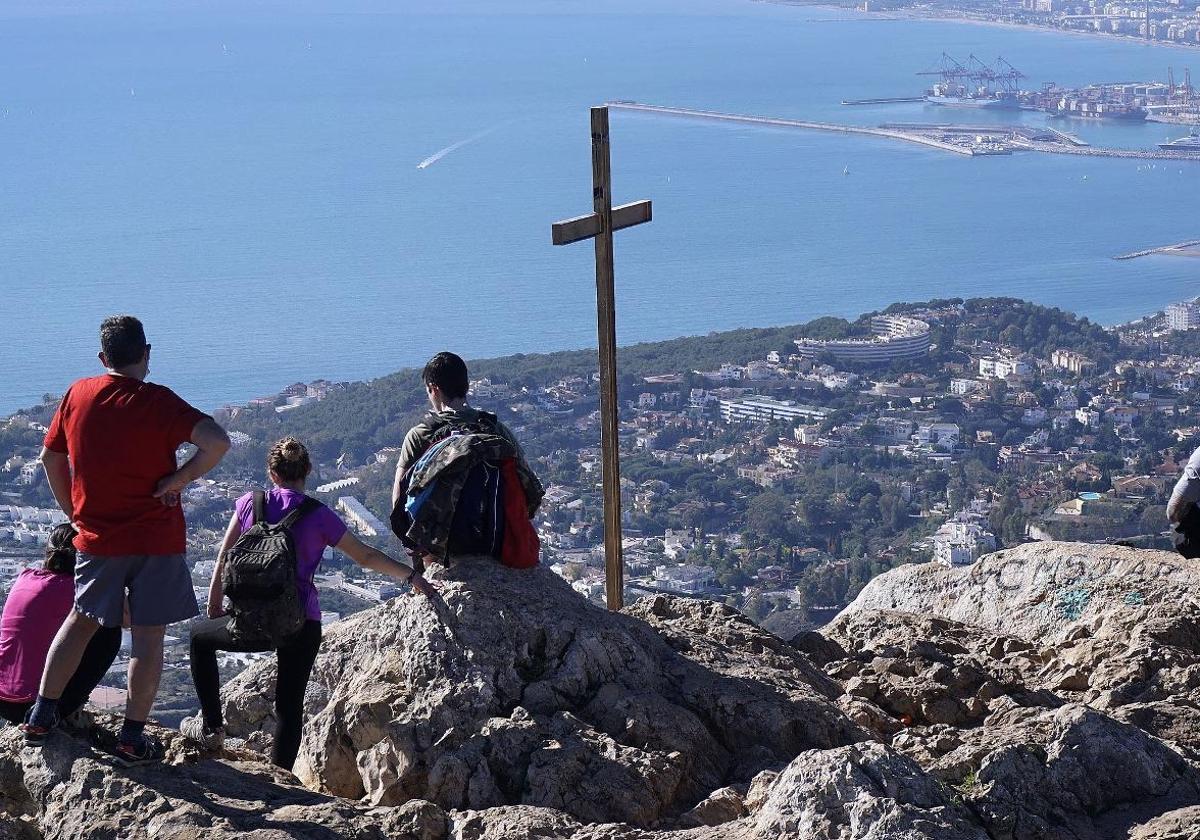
296,657
97,659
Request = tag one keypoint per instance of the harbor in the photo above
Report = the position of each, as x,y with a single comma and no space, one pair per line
973,141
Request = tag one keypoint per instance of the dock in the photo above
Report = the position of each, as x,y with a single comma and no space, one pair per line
1165,249
950,138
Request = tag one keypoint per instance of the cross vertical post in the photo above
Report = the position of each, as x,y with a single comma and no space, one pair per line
606,334
599,225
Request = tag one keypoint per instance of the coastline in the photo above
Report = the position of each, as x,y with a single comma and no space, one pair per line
856,15
487,365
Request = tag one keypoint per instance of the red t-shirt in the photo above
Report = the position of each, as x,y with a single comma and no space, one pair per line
121,435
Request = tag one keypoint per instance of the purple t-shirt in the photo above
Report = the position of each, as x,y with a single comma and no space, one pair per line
316,531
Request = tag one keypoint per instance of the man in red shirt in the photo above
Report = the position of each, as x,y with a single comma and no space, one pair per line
110,459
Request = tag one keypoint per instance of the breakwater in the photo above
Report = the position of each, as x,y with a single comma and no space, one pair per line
945,137
780,122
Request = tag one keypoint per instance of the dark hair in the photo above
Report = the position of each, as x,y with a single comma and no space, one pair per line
122,340
449,373
60,550
289,460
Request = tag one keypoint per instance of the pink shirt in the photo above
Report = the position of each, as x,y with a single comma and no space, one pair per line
36,607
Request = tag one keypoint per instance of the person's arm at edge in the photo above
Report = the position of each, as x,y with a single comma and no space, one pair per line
216,587
211,443
58,475
375,560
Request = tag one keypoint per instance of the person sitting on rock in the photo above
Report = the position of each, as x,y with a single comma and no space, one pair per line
38,603
476,491
317,528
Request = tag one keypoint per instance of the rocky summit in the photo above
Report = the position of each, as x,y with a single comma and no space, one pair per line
1048,692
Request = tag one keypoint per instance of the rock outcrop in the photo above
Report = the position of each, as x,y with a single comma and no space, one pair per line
1050,692
513,690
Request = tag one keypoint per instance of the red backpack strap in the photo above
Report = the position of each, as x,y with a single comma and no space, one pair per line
260,507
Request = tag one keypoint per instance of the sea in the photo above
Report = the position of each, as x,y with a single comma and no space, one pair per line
302,190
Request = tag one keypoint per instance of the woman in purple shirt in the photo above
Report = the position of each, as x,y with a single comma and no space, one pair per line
289,466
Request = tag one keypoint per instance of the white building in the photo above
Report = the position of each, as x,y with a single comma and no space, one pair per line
29,472
676,543
840,381
1183,316
895,337
943,436
766,410
686,579
759,370
362,519
1002,367
1089,417
961,541
340,484
1033,416
726,373
962,387
898,429
1070,360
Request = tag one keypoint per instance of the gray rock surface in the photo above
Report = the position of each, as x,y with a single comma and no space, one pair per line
511,708
515,690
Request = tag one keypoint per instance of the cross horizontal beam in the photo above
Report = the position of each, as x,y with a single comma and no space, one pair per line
586,227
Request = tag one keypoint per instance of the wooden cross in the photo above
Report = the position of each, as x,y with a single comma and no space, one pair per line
599,225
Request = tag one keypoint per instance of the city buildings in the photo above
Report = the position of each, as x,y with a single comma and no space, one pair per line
1071,361
1183,316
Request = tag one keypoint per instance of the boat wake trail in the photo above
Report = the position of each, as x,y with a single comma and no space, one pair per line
453,147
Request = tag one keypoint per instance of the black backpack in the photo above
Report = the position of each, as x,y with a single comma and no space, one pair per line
259,578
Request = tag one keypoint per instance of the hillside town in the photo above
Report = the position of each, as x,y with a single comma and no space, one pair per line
779,483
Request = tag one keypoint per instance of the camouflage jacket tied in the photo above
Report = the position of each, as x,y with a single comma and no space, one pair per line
447,472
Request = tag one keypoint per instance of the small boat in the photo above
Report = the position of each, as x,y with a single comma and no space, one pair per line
846,171
1191,143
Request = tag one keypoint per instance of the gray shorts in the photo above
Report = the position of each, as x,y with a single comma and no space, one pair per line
159,588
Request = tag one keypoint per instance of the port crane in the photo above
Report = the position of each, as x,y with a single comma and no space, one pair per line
977,73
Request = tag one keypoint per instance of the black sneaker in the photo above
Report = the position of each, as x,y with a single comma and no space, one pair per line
149,750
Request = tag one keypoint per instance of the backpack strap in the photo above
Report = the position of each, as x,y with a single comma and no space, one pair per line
260,507
303,509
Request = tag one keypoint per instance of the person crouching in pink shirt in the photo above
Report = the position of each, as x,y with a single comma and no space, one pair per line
37,605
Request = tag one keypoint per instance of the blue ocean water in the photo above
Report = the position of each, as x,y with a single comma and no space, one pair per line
245,178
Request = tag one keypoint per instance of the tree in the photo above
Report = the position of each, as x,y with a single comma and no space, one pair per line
769,516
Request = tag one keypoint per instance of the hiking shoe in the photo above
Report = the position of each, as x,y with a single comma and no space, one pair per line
35,736
194,729
148,750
